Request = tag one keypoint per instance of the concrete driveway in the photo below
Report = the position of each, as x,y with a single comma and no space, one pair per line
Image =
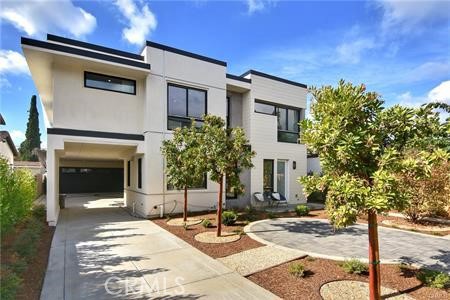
99,251
316,237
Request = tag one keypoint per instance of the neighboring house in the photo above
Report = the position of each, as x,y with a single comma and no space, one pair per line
7,148
110,110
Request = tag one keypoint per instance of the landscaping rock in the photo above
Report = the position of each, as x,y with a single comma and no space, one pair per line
180,222
210,237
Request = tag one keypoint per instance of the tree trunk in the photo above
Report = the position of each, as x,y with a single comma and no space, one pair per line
185,204
219,208
374,258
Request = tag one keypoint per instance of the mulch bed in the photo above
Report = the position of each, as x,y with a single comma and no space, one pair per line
279,281
33,276
213,250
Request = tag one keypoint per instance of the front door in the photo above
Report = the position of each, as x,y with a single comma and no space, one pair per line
282,187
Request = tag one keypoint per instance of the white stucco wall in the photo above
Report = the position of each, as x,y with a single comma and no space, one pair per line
6,152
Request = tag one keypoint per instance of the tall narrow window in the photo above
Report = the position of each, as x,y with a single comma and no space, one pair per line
140,173
184,104
128,173
268,175
109,83
288,128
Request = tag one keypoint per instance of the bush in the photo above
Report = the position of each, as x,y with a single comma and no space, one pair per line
317,197
17,193
297,270
229,217
355,266
39,211
435,279
271,215
302,210
26,243
206,223
10,284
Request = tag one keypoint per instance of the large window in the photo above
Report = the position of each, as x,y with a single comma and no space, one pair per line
202,184
288,128
288,118
109,83
268,175
184,104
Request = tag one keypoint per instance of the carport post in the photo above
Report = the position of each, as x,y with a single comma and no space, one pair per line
52,187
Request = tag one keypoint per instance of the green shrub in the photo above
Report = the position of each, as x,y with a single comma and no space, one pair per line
17,193
10,284
26,243
39,211
206,223
317,197
310,258
302,210
297,270
229,217
354,266
435,279
271,215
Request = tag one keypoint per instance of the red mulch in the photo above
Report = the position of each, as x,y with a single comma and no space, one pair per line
320,271
213,250
33,276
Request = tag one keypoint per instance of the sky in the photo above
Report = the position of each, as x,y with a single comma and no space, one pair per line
400,49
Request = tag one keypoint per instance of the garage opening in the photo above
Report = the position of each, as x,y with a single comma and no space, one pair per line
90,180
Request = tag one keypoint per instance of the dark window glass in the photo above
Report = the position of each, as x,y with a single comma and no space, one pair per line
68,170
292,120
128,173
268,175
228,112
282,122
185,104
196,100
264,108
177,101
287,137
110,83
140,173
202,184
288,128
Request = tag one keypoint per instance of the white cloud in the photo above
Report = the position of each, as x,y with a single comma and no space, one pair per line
17,136
12,62
254,6
402,16
44,144
351,52
38,17
141,21
440,93
4,83
427,70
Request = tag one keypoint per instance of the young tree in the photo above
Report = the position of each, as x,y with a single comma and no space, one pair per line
360,145
184,166
226,153
32,135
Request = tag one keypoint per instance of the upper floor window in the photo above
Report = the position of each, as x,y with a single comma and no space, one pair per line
109,83
184,104
288,118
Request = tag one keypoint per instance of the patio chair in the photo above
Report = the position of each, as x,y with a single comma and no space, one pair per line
260,199
278,199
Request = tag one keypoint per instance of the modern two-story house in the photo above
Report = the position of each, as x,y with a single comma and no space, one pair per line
110,110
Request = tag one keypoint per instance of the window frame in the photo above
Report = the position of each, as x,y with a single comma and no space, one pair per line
139,177
276,111
111,76
273,175
186,118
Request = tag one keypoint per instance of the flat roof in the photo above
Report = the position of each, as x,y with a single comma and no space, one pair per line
83,52
186,53
274,78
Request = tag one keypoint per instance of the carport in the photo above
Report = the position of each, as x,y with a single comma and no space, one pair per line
86,164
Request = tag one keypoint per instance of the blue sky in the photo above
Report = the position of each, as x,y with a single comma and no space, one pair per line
399,49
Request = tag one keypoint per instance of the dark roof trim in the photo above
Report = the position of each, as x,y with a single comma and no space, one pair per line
85,53
312,155
60,39
274,78
98,134
235,77
2,121
4,135
186,53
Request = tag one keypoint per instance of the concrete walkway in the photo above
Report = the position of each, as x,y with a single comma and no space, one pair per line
99,252
317,238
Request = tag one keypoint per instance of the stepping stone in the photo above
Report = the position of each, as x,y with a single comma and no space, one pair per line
258,259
